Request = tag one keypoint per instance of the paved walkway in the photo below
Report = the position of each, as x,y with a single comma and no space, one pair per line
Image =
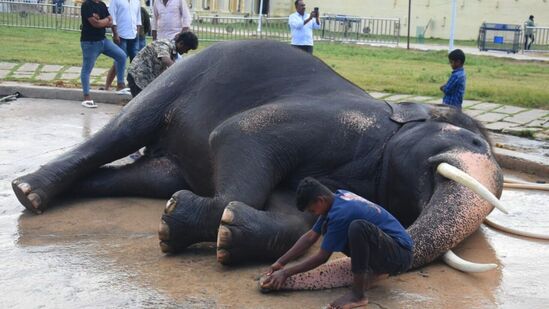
496,117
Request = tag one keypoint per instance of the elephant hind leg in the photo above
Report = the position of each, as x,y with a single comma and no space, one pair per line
147,177
246,233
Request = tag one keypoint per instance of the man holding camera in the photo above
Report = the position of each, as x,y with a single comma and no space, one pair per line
302,25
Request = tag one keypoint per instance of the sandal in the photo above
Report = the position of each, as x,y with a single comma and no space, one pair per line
89,104
124,91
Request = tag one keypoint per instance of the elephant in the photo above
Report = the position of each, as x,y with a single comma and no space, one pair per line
229,133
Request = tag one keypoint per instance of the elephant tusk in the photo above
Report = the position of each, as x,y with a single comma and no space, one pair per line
515,231
513,180
528,186
458,263
463,178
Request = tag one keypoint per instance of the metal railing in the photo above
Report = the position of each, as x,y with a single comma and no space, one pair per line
34,14
541,39
37,14
333,28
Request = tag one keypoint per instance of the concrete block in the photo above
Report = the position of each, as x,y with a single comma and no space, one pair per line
485,106
506,109
473,112
469,103
397,97
70,76
420,99
73,94
527,116
7,65
98,71
4,73
73,70
28,67
539,123
499,126
490,117
51,68
46,76
18,74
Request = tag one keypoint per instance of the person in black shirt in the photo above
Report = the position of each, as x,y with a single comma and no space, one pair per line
95,18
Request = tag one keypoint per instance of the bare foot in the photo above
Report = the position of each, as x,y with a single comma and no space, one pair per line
349,300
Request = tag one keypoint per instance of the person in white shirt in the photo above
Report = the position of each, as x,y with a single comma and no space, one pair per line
169,18
126,24
302,25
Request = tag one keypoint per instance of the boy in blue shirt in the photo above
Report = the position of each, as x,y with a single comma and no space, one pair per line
376,242
454,89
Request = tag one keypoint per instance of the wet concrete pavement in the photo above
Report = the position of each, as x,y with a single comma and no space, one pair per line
103,253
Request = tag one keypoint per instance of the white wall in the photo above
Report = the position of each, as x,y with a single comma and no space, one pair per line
470,13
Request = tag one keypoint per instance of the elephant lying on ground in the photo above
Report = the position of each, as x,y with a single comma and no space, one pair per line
232,130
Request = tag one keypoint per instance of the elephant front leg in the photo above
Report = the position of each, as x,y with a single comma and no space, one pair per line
246,233
189,219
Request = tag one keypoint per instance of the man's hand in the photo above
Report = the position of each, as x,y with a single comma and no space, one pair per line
116,39
442,87
275,280
154,35
276,266
185,29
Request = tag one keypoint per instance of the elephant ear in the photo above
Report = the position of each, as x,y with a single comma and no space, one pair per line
407,112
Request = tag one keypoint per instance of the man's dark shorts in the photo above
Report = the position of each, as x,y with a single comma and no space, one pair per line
134,89
373,251
306,48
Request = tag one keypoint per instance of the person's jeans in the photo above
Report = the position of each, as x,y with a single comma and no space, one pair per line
90,51
142,42
129,47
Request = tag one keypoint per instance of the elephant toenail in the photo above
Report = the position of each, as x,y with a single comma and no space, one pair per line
163,231
223,236
24,187
35,200
170,206
223,256
164,247
228,216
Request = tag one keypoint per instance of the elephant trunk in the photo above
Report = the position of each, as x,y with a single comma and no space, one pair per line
454,211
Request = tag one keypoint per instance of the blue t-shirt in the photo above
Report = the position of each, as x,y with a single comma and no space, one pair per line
348,207
454,90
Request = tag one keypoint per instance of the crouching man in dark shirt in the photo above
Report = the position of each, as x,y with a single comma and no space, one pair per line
376,242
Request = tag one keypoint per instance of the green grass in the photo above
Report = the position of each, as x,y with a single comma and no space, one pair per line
394,70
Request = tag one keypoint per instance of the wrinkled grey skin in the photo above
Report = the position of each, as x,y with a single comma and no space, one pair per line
238,125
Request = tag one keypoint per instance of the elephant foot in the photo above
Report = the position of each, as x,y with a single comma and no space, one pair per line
30,193
182,223
246,233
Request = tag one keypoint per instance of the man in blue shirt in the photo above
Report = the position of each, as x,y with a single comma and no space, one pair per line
302,25
376,242
454,89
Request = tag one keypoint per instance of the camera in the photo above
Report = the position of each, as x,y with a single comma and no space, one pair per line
316,9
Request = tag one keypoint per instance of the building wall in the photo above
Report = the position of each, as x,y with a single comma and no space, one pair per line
435,13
